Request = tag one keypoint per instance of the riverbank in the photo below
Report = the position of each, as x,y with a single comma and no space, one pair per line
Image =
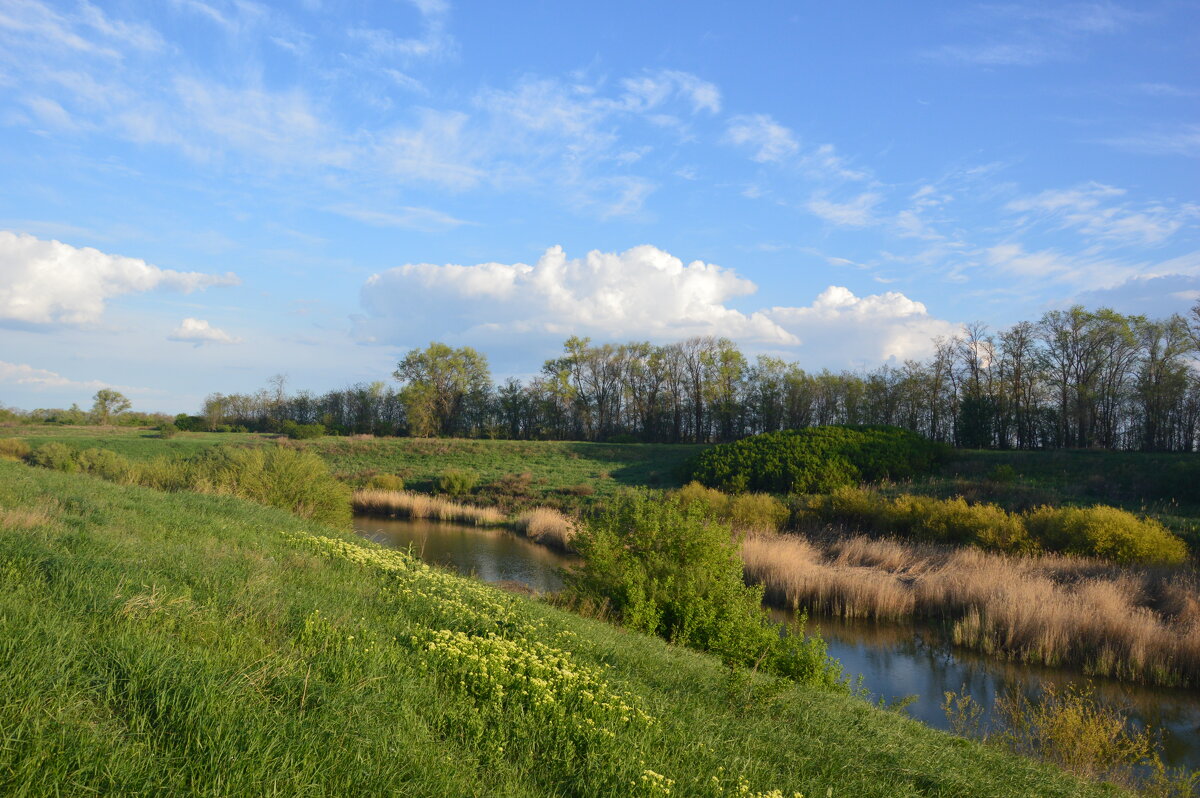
176,642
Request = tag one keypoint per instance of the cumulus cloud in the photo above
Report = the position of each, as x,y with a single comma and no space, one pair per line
199,332
842,328
642,293
46,282
769,140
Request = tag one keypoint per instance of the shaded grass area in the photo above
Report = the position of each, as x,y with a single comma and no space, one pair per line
201,645
512,474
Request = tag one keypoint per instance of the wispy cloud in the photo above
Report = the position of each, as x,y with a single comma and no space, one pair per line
858,212
1184,141
26,375
1028,34
1097,211
410,218
767,140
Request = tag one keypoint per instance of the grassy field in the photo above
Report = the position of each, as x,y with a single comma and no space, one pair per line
196,645
569,475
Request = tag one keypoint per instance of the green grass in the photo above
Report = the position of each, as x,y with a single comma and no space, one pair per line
182,644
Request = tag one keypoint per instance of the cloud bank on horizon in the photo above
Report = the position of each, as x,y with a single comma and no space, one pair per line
313,190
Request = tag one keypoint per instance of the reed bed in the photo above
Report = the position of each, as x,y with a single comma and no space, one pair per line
407,504
549,527
1135,623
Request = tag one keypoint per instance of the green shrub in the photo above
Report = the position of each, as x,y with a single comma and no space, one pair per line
757,511
106,464
1107,532
167,430
14,449
816,460
1003,474
713,501
923,518
385,482
457,481
301,432
54,455
669,568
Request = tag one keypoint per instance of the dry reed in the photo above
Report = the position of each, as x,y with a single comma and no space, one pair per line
548,527
1134,623
407,504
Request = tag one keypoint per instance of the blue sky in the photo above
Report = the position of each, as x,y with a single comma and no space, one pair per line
198,194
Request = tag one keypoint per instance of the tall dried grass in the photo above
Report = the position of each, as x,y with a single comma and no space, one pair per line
419,505
1136,623
548,527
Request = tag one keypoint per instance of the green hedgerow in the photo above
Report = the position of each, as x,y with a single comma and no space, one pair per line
55,456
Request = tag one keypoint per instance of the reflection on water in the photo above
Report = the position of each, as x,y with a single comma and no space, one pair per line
901,660
894,660
487,553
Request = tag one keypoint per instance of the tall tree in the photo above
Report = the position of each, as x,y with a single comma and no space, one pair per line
108,403
440,385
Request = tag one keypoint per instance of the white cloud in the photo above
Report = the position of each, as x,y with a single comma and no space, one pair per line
643,292
856,213
199,331
1087,272
655,88
26,375
1092,209
44,282
842,329
770,140
1184,140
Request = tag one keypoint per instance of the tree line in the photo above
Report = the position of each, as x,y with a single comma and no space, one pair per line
1074,378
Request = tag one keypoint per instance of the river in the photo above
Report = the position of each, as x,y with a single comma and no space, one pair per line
894,660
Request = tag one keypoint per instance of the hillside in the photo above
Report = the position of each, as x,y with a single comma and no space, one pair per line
189,644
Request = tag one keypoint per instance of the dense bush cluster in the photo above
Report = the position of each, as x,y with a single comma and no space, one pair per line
669,568
1106,532
385,482
744,511
817,459
298,482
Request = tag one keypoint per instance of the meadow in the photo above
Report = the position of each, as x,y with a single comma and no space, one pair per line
192,644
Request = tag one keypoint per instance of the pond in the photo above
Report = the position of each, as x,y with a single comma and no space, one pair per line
894,660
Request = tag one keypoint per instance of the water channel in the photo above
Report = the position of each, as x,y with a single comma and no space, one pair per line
894,660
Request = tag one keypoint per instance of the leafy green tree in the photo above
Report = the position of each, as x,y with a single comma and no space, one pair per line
108,403
442,387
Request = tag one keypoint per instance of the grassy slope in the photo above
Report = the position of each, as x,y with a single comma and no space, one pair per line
170,643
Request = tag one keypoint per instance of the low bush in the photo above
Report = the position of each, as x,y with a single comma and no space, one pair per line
816,459
106,464
14,449
301,432
744,512
55,456
167,430
1107,532
457,481
385,482
920,518
671,569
